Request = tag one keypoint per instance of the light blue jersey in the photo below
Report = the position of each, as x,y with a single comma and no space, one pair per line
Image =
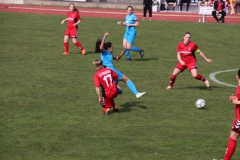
131,31
107,59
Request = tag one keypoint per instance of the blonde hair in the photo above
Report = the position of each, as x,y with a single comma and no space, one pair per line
98,63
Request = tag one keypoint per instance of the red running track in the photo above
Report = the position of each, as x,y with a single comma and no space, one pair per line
111,13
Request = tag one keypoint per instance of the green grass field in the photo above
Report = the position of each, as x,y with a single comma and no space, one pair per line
49,109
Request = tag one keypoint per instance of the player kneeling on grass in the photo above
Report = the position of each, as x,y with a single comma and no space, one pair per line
104,78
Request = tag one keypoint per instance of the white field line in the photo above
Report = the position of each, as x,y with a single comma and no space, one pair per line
213,78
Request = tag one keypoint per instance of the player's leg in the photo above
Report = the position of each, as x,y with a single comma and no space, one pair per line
107,105
65,42
130,41
127,53
232,141
199,76
78,44
144,12
173,77
150,12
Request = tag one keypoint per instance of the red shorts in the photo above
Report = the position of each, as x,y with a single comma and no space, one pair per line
72,33
107,102
189,66
236,125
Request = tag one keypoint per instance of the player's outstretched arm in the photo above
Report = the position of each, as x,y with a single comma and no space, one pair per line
120,55
203,56
99,95
64,21
103,41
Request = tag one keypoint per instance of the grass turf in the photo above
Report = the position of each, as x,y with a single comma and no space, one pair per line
49,106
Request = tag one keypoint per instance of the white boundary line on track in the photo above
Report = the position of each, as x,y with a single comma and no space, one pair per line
213,78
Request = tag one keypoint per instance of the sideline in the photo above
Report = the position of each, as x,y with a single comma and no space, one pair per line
213,78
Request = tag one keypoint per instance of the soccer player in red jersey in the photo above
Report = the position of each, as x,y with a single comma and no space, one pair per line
187,59
73,19
105,78
235,132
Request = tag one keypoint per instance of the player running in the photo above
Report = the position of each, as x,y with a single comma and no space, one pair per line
104,78
73,19
131,22
187,59
106,50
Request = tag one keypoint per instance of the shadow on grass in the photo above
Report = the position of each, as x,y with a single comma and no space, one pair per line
203,87
145,59
128,106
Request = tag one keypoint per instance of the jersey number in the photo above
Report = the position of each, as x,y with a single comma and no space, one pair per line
105,78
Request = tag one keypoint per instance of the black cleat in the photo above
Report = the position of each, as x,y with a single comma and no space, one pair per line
142,53
129,59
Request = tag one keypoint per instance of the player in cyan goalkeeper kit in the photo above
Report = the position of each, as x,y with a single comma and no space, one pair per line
106,50
131,22
187,60
73,19
106,79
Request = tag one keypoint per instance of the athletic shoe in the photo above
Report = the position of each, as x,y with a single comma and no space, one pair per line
129,59
150,18
115,109
83,52
138,95
142,53
169,87
107,112
65,53
207,83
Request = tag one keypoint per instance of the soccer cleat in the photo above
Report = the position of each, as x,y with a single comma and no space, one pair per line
107,112
169,87
138,95
129,59
115,109
65,53
142,53
83,52
207,83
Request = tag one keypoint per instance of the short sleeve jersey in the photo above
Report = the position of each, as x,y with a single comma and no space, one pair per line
72,17
187,51
237,107
131,19
105,78
107,59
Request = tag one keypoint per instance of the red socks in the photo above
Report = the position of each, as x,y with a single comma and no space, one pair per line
79,45
200,77
172,80
230,148
66,47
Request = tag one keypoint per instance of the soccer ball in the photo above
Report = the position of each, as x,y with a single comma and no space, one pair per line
200,103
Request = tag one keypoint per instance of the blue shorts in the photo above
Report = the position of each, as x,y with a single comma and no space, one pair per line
130,37
120,74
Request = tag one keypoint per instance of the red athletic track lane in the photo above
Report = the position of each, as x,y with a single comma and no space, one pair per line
111,13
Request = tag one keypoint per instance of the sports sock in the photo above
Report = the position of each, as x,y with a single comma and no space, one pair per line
79,45
132,87
66,47
230,148
135,49
127,53
172,80
200,77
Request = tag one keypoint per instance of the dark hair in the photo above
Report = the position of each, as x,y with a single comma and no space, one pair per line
105,46
130,7
187,33
75,8
239,72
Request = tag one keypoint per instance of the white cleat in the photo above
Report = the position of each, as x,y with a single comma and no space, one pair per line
207,83
168,87
140,94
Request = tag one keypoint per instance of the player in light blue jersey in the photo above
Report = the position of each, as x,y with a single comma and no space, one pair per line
107,57
131,22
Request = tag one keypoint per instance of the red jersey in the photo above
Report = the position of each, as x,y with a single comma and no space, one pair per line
72,17
219,8
187,51
105,78
237,107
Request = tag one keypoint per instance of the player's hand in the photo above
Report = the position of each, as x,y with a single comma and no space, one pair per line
209,60
235,100
100,101
119,23
62,22
232,97
106,34
182,63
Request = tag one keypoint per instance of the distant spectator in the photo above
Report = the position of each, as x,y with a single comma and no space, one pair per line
205,2
147,5
219,7
184,1
236,5
232,4
168,1
210,2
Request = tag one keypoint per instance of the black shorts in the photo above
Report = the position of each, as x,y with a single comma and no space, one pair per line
173,1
